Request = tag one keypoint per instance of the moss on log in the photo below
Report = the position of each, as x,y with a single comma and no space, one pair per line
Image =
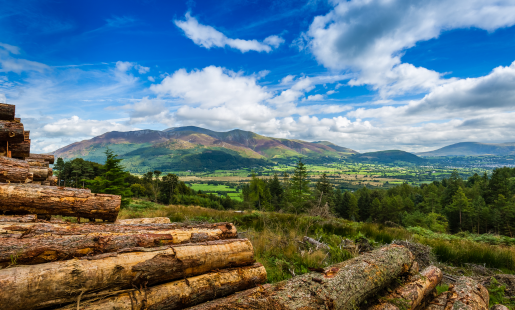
37,199
342,286
183,293
466,294
38,286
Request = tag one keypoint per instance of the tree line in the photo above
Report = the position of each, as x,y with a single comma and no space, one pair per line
480,204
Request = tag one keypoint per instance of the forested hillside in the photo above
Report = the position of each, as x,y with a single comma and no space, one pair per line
481,204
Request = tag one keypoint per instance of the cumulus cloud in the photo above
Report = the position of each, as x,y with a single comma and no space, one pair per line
208,37
77,127
369,37
314,98
148,111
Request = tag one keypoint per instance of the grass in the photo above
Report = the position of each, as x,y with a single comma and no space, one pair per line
277,238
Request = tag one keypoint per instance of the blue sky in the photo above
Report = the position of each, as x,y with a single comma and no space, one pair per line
370,75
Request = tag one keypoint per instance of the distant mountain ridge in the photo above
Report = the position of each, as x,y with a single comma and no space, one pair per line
473,149
195,148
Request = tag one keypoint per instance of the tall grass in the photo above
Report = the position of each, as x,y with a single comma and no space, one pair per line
277,238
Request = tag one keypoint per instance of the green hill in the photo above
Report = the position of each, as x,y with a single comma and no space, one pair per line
198,149
473,149
390,156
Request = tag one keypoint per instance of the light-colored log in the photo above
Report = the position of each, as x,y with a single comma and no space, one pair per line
37,162
466,294
183,293
411,295
37,199
48,158
37,286
13,170
147,220
342,286
40,173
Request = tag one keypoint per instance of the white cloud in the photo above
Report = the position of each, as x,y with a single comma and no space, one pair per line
368,37
314,98
77,127
208,37
330,92
8,63
287,79
10,48
141,69
151,79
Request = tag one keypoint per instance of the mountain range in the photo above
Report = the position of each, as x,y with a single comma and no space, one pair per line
194,148
473,149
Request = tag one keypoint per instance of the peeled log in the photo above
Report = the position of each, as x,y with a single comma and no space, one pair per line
48,158
46,248
37,199
7,112
150,220
11,131
40,173
13,170
20,149
183,293
465,294
43,285
342,286
410,295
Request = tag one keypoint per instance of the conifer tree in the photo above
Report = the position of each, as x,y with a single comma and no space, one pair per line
113,180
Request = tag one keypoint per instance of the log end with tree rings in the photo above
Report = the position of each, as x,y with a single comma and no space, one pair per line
11,131
7,111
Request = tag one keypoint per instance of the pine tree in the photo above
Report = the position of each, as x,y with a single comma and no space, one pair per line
113,180
300,185
59,169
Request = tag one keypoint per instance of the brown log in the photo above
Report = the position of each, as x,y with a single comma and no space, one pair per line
183,293
151,220
411,295
465,294
180,233
37,286
7,112
3,148
13,170
52,180
17,219
48,158
37,199
40,173
26,135
11,131
499,307
342,286
46,248
37,162
20,149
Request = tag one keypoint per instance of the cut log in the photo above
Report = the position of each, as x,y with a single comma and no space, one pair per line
46,248
411,295
152,220
180,234
37,199
342,286
13,170
465,294
11,131
43,285
39,173
52,180
183,293
26,135
7,112
499,307
317,244
17,219
36,162
20,150
48,158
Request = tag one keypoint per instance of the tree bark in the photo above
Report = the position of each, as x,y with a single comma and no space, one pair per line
17,219
151,220
48,158
37,199
20,150
183,293
410,295
47,248
7,112
40,173
11,131
181,233
36,286
36,162
318,245
465,294
342,286
13,170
